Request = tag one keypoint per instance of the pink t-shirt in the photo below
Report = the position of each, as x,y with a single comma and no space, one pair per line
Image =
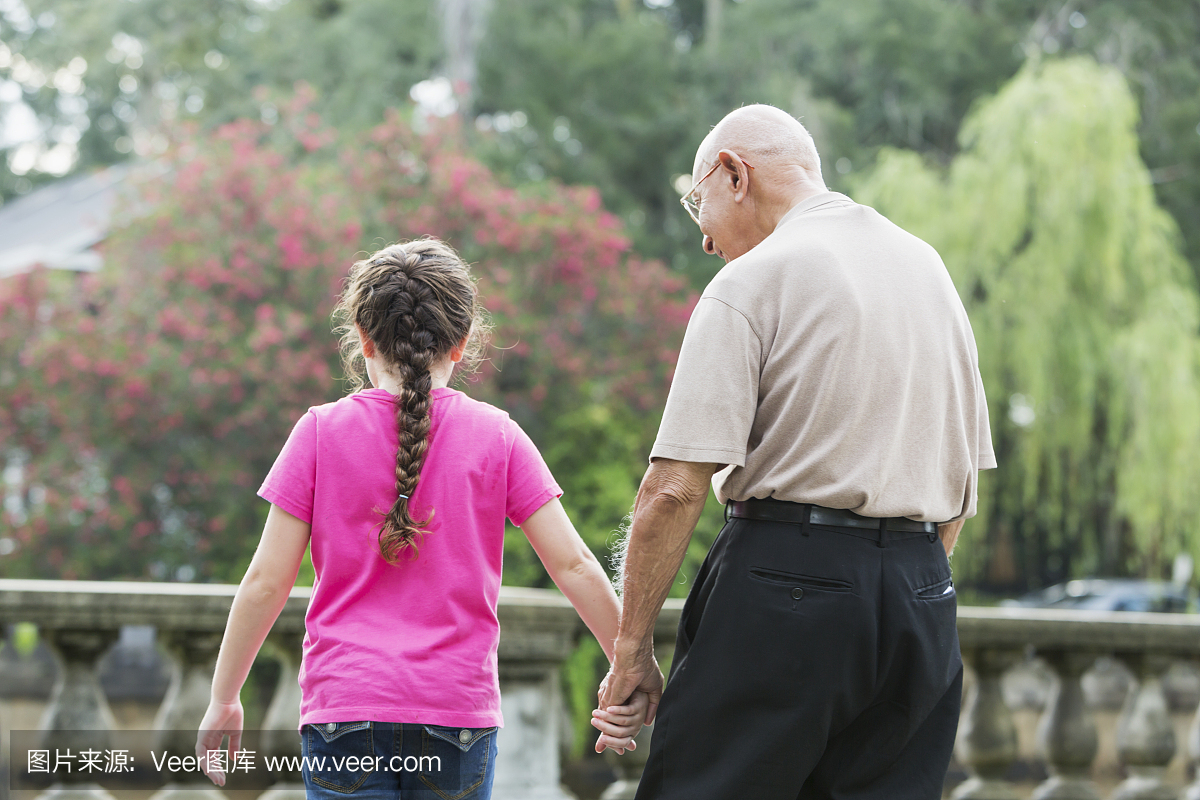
414,642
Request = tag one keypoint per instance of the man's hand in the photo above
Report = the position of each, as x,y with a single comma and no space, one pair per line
669,502
618,725
633,676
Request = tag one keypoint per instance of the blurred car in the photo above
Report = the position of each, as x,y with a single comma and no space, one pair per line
1110,594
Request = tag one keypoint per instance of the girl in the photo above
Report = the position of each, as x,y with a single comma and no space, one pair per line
401,491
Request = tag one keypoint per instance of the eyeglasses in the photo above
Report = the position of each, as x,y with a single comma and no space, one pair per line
689,204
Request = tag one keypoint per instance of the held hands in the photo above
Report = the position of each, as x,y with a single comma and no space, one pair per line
221,719
619,724
629,696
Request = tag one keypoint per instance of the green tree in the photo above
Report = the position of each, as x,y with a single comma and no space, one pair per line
636,87
635,84
110,74
1086,322
1153,45
619,114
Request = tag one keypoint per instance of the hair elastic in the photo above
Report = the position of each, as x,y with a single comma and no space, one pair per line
404,496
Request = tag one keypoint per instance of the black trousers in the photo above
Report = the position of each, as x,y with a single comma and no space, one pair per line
812,662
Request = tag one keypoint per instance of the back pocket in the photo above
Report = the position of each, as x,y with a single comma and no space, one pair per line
340,755
778,578
942,590
456,761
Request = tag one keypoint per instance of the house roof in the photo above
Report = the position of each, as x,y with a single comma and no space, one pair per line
59,225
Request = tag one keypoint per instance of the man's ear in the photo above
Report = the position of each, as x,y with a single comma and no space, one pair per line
734,170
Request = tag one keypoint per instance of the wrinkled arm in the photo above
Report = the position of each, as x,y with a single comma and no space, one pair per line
668,506
669,503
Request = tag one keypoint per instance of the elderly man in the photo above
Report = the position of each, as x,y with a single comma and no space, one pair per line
829,381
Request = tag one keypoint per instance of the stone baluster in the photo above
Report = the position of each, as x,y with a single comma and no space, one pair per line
538,633
78,717
280,737
5,745
527,766
1067,734
179,717
1145,734
987,738
1193,791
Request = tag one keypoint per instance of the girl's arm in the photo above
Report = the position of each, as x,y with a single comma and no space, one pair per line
259,599
575,571
581,579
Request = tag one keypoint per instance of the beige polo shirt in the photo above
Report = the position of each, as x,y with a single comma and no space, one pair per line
834,364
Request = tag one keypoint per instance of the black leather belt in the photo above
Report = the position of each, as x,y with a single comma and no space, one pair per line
799,513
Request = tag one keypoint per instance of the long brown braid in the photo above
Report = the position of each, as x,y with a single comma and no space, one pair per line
416,302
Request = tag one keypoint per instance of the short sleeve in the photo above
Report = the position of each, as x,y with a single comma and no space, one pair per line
984,453
291,481
714,394
530,484
987,456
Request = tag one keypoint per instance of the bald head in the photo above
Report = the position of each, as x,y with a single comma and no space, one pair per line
763,135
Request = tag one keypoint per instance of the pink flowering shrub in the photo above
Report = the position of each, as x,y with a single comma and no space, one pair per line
145,403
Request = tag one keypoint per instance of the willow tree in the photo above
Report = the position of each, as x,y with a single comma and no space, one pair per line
1086,320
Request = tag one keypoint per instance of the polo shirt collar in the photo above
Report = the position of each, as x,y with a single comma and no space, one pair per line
813,203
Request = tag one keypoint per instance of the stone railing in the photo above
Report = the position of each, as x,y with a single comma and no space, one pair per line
81,620
1071,644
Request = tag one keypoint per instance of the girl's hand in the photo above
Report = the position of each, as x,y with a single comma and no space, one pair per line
619,724
221,719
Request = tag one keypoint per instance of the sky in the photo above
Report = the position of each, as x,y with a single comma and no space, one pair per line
19,126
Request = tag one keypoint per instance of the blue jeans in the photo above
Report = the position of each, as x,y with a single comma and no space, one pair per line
398,761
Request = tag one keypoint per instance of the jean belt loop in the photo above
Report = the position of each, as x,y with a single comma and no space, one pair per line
804,519
883,521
